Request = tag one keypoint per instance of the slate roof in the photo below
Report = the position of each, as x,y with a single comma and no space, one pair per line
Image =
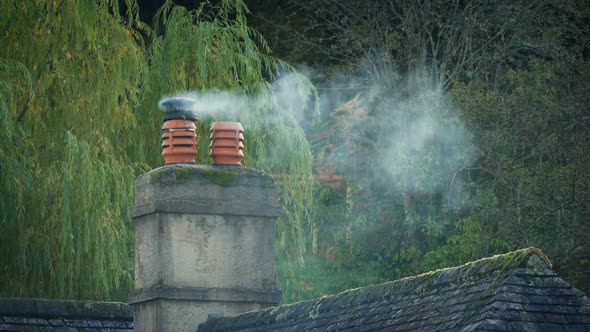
517,291
63,315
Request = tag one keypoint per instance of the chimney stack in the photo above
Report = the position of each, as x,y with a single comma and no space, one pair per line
204,243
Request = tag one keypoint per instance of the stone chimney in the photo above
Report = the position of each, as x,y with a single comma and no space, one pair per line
204,245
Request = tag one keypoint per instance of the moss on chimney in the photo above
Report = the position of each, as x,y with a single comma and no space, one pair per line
221,178
182,174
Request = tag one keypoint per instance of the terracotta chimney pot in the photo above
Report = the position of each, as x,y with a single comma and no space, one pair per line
179,138
227,143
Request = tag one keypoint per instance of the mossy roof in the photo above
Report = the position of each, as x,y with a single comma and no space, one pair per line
517,291
64,315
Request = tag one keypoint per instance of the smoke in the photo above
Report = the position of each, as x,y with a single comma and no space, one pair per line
424,140
294,94
214,102
288,98
401,132
402,129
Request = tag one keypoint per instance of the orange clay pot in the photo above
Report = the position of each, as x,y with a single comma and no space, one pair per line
227,143
179,141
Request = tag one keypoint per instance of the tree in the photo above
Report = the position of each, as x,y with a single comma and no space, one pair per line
502,69
71,78
530,186
79,85
432,42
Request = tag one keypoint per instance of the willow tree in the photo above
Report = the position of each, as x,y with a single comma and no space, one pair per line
212,49
70,80
78,123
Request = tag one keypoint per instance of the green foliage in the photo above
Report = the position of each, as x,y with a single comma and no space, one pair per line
79,87
69,80
513,79
530,184
79,84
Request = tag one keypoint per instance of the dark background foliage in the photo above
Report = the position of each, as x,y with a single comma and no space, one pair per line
447,131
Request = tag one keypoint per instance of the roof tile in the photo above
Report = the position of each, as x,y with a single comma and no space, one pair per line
574,328
555,318
515,291
496,325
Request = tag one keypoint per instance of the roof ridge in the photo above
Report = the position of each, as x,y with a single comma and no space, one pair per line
462,297
504,262
514,259
540,254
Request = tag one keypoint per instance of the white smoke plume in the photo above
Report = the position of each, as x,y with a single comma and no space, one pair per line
289,96
405,128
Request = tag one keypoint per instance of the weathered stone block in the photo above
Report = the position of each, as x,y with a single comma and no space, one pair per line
185,250
203,189
204,245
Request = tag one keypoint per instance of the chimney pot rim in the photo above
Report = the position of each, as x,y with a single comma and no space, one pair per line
227,126
178,108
